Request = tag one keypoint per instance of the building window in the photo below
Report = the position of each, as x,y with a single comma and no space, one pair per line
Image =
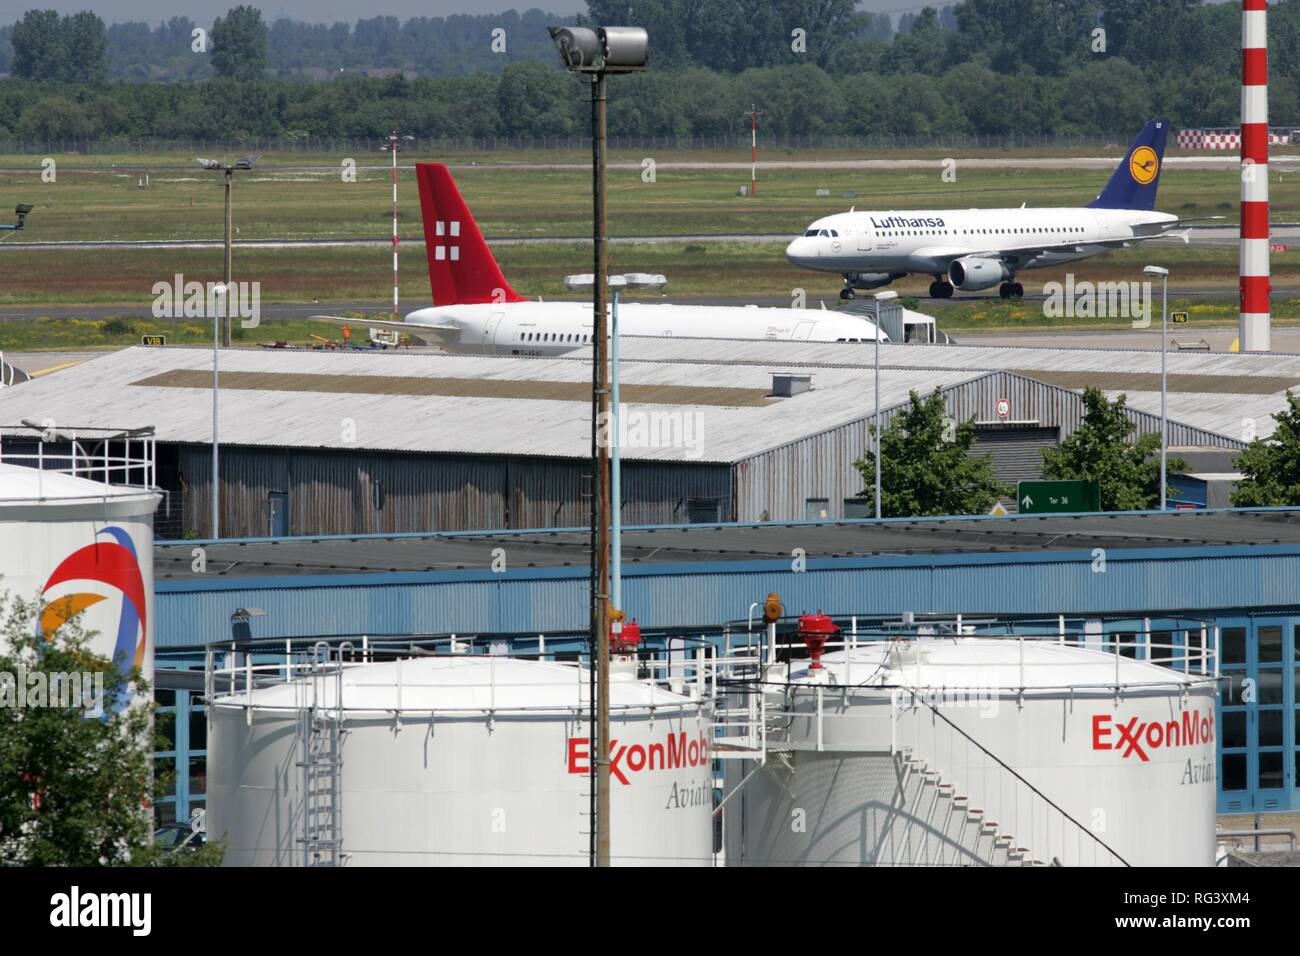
703,510
817,509
859,508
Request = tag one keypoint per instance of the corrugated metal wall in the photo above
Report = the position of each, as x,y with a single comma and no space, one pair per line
1174,580
777,484
361,492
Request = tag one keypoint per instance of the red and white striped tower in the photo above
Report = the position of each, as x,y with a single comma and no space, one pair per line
1255,328
392,145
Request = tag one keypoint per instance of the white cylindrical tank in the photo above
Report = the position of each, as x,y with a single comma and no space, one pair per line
978,751
82,547
465,760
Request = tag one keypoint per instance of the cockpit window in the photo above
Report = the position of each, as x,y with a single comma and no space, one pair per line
811,232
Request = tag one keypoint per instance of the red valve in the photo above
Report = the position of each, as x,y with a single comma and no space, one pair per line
815,630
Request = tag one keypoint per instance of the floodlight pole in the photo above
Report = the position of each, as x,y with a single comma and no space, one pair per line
876,384
225,325
615,476
216,352
600,454
1164,418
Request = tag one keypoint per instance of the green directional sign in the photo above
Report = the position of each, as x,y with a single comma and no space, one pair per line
1059,497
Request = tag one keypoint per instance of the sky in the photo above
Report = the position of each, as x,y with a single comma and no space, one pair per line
330,11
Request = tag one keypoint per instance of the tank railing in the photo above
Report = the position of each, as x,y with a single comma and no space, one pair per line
69,451
235,670
847,671
1022,812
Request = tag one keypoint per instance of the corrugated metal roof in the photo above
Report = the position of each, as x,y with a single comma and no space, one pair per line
1233,394
107,391
727,544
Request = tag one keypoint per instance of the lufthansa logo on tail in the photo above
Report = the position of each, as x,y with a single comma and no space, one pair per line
1143,164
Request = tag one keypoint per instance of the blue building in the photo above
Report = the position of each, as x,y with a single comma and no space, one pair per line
1197,580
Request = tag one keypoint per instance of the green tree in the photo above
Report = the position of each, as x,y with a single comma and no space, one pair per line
40,45
1270,469
239,44
75,772
1103,449
926,465
56,117
85,43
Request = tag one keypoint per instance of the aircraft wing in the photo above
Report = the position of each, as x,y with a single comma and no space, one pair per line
1016,256
436,333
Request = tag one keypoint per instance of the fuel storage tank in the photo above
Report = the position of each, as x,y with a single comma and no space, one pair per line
464,760
979,751
83,547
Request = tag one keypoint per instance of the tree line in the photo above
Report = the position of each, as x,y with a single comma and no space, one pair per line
982,67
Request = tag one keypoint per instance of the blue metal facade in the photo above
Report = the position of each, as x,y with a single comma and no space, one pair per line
1252,593
1135,581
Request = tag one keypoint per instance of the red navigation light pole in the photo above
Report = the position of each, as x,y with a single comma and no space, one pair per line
754,113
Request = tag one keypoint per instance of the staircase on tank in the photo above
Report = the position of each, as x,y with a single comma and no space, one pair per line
965,834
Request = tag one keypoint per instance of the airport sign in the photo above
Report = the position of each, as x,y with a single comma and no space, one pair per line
1059,497
153,340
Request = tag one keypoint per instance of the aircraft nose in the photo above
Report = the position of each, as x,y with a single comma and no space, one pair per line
800,251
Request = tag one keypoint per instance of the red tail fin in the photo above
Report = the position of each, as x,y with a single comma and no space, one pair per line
462,270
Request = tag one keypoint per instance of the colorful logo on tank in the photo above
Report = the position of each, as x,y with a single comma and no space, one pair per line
115,566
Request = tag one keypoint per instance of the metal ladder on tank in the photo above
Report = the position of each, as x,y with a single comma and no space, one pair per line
320,728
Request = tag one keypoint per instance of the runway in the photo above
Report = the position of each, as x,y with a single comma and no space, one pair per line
1209,237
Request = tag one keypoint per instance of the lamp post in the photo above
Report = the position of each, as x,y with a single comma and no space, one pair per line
229,171
222,294
881,298
633,280
1164,353
597,53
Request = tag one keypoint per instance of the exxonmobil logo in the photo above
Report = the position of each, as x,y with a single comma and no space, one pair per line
1136,737
674,753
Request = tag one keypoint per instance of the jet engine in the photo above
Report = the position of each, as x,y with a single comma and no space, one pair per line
872,280
972,273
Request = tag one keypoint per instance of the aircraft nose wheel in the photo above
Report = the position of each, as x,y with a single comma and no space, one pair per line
940,290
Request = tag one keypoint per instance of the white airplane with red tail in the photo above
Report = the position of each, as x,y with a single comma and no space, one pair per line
475,310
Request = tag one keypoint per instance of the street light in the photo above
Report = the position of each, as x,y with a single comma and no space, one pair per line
215,165
599,52
1164,351
881,298
222,294
632,280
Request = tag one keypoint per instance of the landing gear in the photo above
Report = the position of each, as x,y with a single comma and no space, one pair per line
940,289
1011,290
846,294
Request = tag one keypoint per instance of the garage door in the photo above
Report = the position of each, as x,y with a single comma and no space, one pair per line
1016,449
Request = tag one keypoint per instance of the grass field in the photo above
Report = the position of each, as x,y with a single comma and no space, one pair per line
93,199
271,203
72,334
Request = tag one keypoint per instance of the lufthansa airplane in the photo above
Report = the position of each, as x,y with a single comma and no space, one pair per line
973,249
476,311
